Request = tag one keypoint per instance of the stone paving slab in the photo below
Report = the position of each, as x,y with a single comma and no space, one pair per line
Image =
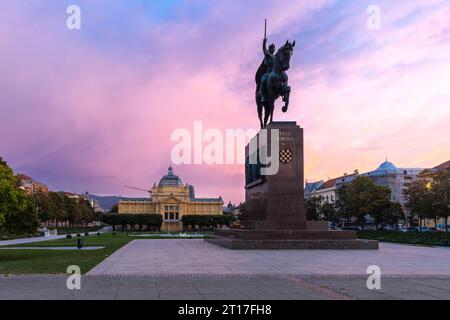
233,287
198,257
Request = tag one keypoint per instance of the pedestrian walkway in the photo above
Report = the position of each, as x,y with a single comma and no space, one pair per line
53,248
234,287
198,257
40,239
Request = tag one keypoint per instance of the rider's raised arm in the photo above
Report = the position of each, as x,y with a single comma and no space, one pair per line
265,46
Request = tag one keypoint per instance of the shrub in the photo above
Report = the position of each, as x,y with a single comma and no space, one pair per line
78,235
207,221
86,234
69,236
99,234
150,220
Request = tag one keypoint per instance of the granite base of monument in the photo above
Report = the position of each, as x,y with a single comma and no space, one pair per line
274,204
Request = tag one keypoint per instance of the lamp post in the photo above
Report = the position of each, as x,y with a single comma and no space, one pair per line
79,243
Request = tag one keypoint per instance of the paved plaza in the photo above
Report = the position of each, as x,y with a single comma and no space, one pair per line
231,287
197,270
198,257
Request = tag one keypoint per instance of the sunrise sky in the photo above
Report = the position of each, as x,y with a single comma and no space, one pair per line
94,109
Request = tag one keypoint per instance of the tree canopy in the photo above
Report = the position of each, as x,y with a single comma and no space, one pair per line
361,197
17,211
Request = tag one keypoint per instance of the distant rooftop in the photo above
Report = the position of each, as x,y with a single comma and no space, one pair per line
442,166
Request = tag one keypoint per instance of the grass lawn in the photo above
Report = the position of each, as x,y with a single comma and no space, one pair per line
417,238
56,262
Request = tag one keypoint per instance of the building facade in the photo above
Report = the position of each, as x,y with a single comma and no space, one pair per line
31,186
172,199
328,189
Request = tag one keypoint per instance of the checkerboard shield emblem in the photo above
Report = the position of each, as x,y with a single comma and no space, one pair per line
285,156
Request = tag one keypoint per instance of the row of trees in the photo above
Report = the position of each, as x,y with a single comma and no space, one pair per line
430,200
56,209
154,221
21,213
151,221
354,202
207,222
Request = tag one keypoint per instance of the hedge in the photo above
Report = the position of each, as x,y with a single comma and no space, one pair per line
206,221
418,238
149,220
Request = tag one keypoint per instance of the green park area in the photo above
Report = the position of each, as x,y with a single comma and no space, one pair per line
56,261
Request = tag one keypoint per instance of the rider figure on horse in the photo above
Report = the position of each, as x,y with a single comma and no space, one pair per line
269,58
272,80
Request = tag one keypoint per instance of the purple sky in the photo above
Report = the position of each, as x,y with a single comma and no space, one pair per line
94,109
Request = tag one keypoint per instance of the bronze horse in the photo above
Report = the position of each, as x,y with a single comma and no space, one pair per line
274,84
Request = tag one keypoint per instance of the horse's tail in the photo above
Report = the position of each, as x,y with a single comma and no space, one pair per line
259,74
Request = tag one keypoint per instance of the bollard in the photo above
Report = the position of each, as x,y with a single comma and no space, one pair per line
79,243
446,242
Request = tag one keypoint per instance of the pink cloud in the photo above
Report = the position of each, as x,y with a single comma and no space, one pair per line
82,114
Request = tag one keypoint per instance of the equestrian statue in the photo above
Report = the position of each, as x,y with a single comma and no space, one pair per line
272,79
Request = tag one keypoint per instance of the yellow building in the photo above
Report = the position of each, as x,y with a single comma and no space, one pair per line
173,199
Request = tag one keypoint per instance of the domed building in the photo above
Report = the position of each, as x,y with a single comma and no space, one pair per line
387,174
173,199
397,179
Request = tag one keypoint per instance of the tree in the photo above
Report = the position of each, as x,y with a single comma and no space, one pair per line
417,201
362,197
381,205
70,209
8,192
206,221
440,190
114,209
17,210
395,214
313,206
328,211
149,220
25,221
243,210
85,210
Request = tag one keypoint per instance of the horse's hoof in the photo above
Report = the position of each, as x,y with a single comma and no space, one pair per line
284,109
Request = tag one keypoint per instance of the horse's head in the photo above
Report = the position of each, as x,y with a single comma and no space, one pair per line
284,55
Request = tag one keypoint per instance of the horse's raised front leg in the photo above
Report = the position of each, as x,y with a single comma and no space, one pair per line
272,108
287,93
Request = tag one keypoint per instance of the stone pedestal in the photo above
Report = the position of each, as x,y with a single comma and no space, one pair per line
275,214
276,201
